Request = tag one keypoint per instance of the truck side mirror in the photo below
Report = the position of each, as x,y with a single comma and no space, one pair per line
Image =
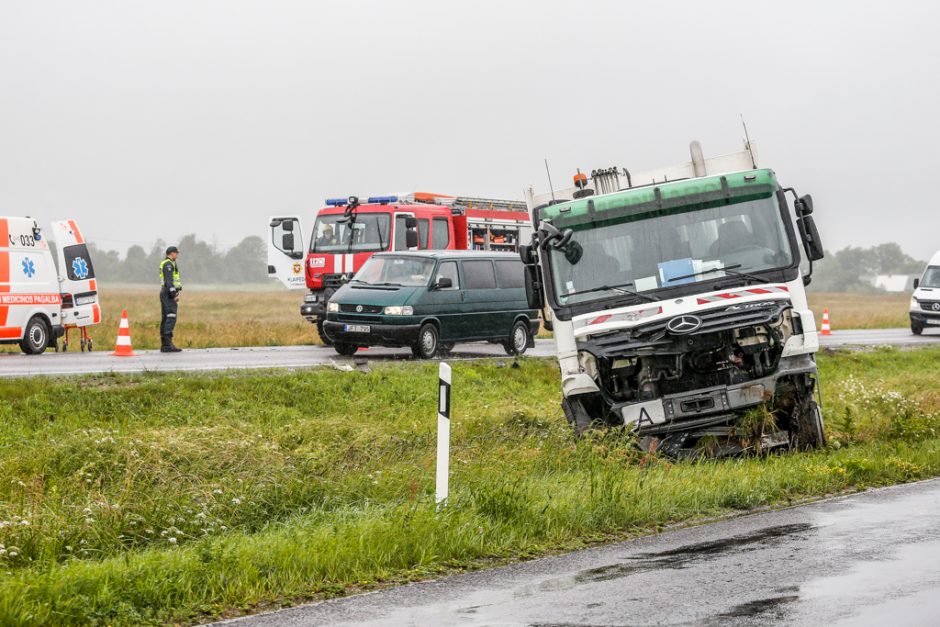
806,204
533,289
526,255
411,222
287,225
287,240
411,238
443,283
916,283
810,236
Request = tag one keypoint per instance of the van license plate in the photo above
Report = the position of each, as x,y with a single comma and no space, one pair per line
357,328
933,320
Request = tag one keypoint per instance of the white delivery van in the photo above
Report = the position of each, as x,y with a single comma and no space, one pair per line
925,302
37,301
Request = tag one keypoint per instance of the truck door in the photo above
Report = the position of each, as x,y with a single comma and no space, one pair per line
286,250
77,283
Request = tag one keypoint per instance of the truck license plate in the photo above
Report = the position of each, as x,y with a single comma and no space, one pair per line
644,414
357,328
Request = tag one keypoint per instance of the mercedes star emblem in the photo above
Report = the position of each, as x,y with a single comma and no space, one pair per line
936,306
682,325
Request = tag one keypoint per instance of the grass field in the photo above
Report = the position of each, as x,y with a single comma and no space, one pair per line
862,311
166,498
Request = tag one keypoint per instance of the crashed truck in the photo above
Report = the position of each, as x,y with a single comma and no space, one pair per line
679,306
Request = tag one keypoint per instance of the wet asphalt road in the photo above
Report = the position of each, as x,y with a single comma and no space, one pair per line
867,559
72,363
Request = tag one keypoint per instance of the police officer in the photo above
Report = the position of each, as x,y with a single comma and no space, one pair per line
170,288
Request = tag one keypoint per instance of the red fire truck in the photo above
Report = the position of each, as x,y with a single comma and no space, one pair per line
347,232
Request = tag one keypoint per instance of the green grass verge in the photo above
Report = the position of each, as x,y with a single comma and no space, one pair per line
167,498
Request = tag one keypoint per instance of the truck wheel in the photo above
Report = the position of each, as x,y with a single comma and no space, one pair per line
806,432
518,338
426,345
917,329
323,336
577,416
344,349
36,337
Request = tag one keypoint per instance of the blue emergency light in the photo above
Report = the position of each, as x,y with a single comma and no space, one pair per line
382,200
337,202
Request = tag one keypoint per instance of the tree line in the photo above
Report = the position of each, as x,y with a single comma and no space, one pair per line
853,269
199,262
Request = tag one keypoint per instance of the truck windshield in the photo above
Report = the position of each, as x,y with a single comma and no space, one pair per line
654,251
404,271
369,233
931,277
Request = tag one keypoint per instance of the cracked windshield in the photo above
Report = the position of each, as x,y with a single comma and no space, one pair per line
652,252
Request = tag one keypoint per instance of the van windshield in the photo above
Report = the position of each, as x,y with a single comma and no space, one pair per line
403,271
368,233
931,277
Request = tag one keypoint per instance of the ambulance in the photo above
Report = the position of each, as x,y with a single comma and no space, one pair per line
38,301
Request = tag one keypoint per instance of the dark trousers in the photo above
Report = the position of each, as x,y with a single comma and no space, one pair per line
168,308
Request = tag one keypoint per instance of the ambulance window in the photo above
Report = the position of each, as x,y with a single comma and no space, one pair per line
78,263
422,232
440,235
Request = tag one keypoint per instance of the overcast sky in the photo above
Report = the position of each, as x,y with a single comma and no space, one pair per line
156,119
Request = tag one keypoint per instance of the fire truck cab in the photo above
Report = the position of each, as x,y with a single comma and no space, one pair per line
347,232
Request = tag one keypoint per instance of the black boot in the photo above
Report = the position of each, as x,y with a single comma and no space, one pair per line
164,344
171,347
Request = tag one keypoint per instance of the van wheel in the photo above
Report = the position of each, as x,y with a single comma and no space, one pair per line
917,329
327,341
426,346
36,338
518,339
344,349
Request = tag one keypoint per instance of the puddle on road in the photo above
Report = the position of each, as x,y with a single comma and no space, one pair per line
681,556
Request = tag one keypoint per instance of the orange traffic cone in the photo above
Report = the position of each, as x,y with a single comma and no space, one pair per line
825,330
123,347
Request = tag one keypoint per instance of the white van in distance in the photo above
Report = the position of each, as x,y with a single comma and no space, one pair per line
925,302
37,302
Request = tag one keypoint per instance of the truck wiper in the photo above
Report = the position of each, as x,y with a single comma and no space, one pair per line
728,269
614,288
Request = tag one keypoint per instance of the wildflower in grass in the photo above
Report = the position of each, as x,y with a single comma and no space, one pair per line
171,540
236,501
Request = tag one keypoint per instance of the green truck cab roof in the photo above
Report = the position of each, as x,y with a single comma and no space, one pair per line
663,198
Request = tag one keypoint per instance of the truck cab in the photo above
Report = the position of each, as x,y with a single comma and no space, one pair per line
925,301
679,305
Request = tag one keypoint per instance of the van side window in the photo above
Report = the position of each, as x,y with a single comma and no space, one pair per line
422,233
510,273
440,236
448,270
478,275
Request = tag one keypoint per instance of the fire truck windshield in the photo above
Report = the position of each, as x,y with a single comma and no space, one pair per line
654,251
367,233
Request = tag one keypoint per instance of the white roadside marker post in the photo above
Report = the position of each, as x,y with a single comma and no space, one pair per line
443,433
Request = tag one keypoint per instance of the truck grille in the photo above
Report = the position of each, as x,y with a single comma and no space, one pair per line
655,334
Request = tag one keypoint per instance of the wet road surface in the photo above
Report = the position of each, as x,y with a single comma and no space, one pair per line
71,363
867,559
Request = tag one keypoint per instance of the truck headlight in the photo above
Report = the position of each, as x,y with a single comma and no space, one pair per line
310,298
332,307
407,310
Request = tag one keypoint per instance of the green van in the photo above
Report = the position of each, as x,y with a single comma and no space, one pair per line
430,300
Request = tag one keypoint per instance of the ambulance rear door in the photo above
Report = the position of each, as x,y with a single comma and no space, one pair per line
77,283
286,250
